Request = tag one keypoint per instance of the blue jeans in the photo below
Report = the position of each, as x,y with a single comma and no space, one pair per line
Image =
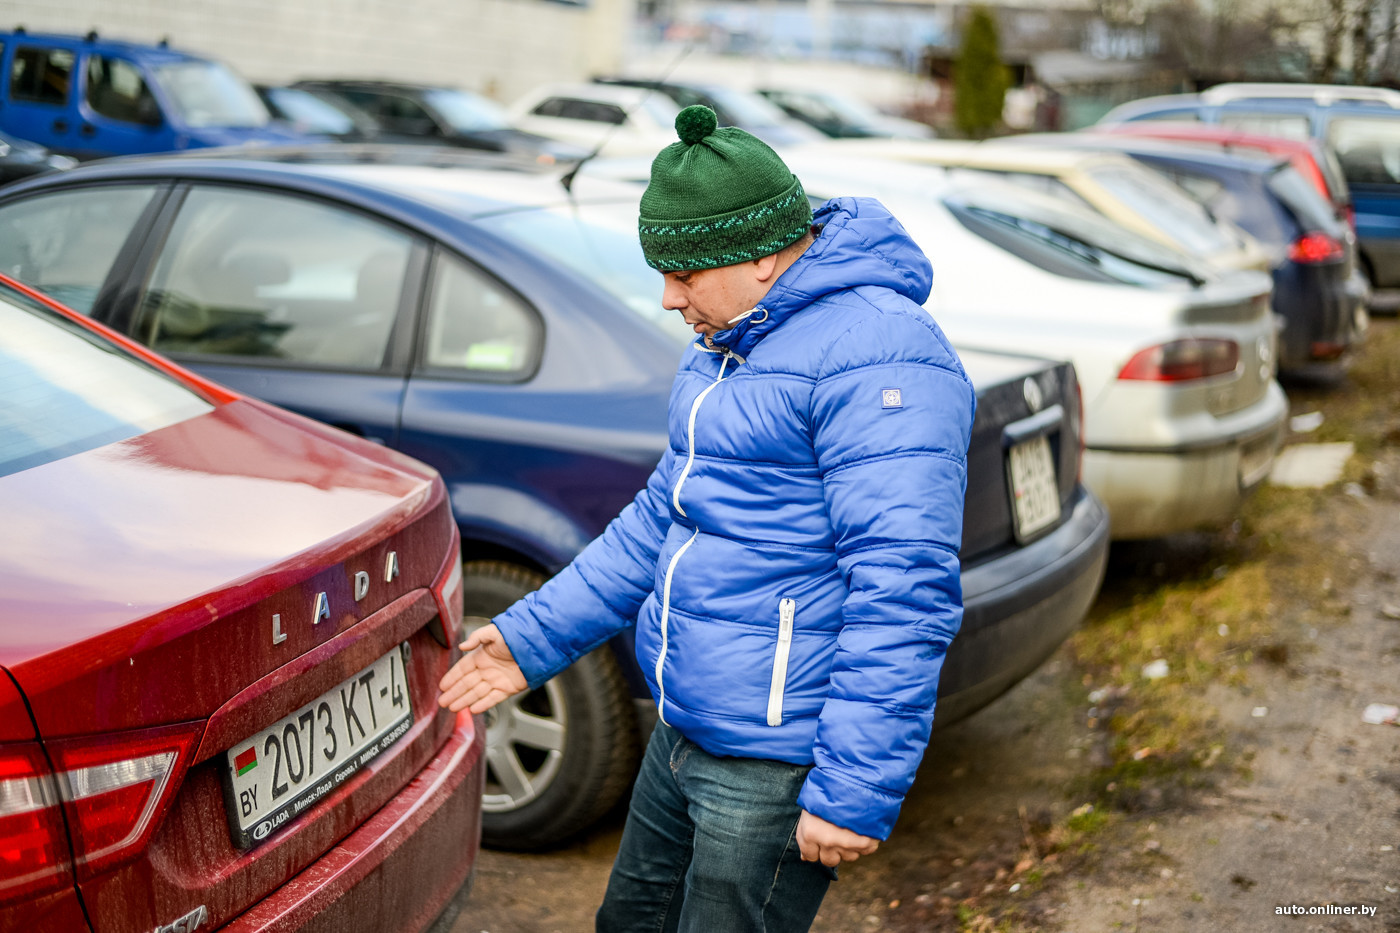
710,847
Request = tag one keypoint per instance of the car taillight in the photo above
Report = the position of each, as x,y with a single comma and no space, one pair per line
1182,360
1316,247
447,593
116,788
34,856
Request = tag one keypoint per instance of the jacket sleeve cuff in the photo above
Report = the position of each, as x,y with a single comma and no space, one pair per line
851,805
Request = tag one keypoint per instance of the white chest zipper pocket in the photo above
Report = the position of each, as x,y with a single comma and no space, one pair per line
787,614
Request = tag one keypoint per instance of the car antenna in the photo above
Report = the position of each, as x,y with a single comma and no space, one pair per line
567,179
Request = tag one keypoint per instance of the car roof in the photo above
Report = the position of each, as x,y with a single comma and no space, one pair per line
622,94
156,54
1041,159
1210,133
1248,160
372,84
1324,95
445,182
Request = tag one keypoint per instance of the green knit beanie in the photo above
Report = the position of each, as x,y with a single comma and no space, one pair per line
718,197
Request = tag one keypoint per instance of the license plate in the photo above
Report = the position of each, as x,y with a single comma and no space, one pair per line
1035,493
280,772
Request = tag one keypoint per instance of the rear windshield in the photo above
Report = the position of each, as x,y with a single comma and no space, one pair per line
599,242
1303,200
1072,246
1368,148
1168,209
63,390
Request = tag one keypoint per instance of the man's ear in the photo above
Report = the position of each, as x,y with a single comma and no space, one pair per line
765,267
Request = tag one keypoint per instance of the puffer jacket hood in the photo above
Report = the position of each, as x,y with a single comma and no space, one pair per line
792,566
860,242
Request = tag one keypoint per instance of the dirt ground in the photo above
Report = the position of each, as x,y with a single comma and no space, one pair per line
1262,787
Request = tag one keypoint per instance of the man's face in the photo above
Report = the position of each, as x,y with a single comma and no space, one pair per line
709,299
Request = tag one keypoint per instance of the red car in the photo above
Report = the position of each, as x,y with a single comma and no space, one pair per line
1312,158
222,627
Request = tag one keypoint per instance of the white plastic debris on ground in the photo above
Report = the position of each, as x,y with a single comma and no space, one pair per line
1379,714
1311,466
1305,424
1156,670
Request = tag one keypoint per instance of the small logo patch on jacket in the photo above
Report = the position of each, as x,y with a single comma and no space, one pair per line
891,398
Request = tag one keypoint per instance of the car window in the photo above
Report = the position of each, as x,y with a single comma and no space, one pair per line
1302,199
476,326
64,244
245,273
1166,208
467,113
592,111
1368,148
598,242
64,390
1045,184
41,75
307,112
1287,125
393,110
116,89
1066,252
209,94
744,109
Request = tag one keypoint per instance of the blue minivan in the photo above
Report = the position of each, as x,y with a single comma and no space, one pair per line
1361,123
88,97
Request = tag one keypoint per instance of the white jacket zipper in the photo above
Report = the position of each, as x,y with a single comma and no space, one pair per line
787,614
675,558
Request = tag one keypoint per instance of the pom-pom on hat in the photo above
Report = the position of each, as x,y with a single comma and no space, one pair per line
718,197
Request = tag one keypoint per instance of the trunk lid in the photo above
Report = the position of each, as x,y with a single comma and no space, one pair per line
1019,399
207,580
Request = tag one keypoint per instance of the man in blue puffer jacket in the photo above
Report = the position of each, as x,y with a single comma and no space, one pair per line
792,566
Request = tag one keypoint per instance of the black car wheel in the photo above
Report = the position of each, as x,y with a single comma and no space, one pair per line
558,757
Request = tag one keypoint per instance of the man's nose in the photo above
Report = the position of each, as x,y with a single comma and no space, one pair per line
672,297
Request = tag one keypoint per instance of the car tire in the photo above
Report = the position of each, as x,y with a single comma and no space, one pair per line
559,757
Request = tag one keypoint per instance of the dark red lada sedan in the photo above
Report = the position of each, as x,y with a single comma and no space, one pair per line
221,630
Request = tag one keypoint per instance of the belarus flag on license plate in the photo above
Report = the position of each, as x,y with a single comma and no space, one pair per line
246,761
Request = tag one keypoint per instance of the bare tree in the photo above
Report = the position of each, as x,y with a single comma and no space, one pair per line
1334,26
1363,47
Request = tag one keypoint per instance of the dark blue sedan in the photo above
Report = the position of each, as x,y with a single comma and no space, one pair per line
482,318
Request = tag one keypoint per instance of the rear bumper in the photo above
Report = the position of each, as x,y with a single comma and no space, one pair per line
1319,305
1020,607
1156,491
402,866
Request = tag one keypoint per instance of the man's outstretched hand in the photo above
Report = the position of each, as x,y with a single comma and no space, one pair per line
830,844
485,675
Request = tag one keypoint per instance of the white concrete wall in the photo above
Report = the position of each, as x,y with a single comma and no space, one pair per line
499,47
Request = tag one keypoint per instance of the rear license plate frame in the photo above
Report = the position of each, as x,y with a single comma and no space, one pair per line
330,713
1033,486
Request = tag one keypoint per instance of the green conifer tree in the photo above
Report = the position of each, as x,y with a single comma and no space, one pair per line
981,80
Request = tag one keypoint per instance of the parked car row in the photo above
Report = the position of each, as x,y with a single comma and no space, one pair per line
480,364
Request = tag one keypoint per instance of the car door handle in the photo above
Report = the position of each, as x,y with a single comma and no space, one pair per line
60,126
87,129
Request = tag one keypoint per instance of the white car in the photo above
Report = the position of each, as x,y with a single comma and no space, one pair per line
1176,358
626,120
